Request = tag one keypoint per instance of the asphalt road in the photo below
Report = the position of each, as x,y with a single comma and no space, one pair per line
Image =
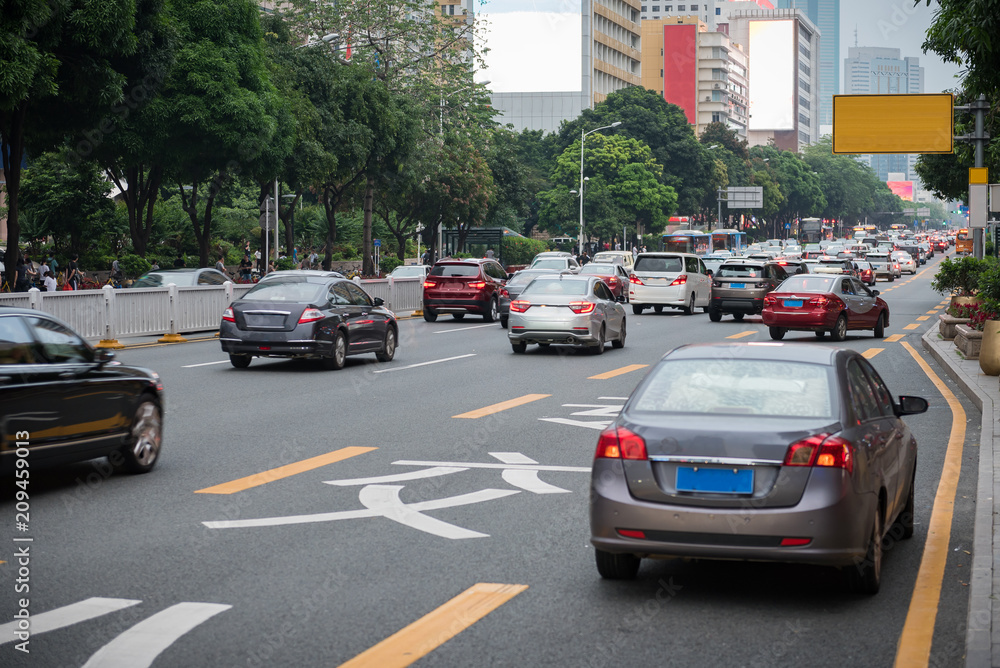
364,566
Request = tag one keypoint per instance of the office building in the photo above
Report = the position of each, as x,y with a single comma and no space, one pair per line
710,12
825,15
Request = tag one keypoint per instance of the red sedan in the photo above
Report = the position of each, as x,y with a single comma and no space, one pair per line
614,275
818,303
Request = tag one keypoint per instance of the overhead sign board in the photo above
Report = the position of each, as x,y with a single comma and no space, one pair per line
893,123
745,197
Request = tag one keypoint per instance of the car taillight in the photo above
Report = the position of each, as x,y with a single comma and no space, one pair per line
620,443
227,315
612,280
582,307
478,285
827,302
770,300
429,284
680,280
821,450
311,315
519,305
635,279
504,293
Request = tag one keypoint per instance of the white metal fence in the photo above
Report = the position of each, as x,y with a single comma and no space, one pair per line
109,313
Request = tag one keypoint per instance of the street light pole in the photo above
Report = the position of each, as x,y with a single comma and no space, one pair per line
583,138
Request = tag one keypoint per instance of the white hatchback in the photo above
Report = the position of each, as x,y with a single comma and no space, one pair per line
677,280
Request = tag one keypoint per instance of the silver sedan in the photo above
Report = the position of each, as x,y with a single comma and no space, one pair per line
569,309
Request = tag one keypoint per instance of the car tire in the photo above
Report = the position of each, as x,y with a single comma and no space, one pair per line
839,331
689,309
865,577
503,321
657,309
903,526
637,310
493,313
142,451
880,327
240,361
598,349
337,357
892,277
777,333
614,566
715,315
429,315
519,347
388,347
738,317
458,316
620,341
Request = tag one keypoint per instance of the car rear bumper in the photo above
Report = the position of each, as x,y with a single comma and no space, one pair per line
296,343
737,305
800,319
574,338
479,306
657,295
830,514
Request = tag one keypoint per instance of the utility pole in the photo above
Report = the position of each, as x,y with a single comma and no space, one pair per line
980,137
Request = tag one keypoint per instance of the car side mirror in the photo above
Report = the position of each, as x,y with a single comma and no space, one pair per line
510,276
875,292
622,299
911,405
105,356
378,301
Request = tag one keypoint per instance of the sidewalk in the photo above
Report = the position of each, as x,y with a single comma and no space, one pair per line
982,637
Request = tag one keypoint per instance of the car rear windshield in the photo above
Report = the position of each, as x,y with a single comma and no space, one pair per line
598,269
294,290
548,286
551,263
524,277
807,283
455,270
877,257
737,387
664,264
739,271
155,280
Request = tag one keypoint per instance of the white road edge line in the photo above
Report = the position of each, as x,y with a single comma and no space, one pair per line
414,366
68,615
462,329
191,366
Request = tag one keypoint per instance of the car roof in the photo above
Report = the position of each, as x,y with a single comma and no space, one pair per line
762,350
303,272
665,254
469,260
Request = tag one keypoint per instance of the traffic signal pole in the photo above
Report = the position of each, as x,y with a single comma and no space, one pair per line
979,137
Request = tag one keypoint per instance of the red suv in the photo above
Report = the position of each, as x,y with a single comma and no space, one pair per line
463,286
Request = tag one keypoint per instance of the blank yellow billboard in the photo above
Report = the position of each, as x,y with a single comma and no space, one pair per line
893,123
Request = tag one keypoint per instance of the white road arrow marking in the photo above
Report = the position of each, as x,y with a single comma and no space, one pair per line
599,410
399,477
68,615
601,424
526,480
384,500
139,646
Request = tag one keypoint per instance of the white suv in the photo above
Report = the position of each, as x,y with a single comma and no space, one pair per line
678,280
622,257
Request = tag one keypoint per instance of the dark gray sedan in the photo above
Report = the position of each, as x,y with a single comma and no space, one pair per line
756,452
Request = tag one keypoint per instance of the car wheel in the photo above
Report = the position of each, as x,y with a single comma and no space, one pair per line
777,333
429,315
617,566
866,576
388,347
903,526
657,309
503,321
458,316
519,347
493,313
240,361
880,326
598,349
620,341
738,317
338,356
636,309
142,451
715,315
689,309
892,277
839,331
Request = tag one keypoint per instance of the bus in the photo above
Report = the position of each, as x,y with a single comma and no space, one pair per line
733,241
899,227
963,242
810,230
687,242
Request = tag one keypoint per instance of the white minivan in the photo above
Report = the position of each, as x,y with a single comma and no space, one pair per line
677,280
622,257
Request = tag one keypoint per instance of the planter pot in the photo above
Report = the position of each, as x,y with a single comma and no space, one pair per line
947,325
989,355
969,341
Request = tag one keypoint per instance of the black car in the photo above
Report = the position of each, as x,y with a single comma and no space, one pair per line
315,317
62,401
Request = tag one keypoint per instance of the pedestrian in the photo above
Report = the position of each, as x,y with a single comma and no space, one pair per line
73,277
270,266
154,266
221,264
49,281
245,267
179,262
489,253
116,271
313,258
256,255
21,276
53,265
43,269
425,259
30,268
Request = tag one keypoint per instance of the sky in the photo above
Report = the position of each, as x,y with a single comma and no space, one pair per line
532,52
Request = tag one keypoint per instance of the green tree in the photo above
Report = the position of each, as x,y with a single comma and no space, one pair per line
965,33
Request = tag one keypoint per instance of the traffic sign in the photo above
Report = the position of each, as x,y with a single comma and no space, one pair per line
377,242
893,123
745,197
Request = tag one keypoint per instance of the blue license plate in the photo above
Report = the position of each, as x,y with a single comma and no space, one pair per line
737,285
793,303
719,481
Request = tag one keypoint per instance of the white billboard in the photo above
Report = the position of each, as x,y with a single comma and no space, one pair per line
534,46
772,75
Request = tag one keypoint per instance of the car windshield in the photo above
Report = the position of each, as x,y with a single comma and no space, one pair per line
287,290
455,270
608,257
546,286
807,283
737,387
598,269
664,264
550,263
739,271
157,279
407,272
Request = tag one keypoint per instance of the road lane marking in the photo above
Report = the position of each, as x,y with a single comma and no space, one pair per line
68,615
894,338
462,329
191,366
871,352
436,627
414,366
169,343
614,398
749,332
285,471
525,479
914,646
921,318
618,372
502,406
384,500
139,646
912,326
397,477
934,312
598,425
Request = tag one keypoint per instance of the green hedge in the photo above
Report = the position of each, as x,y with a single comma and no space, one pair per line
519,250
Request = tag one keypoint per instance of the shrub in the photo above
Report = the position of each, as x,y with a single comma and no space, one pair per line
518,250
961,276
390,263
133,266
987,283
980,313
284,263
